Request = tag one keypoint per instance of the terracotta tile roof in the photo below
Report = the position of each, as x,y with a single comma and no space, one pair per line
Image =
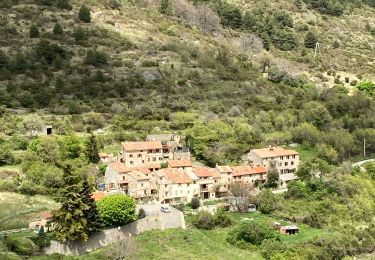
177,177
119,167
247,170
97,195
203,172
224,168
153,166
179,163
273,152
46,215
138,146
139,176
144,170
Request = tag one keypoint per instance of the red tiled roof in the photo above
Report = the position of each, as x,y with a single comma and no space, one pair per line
97,195
139,176
120,167
273,152
203,172
177,177
46,215
224,168
138,146
179,163
247,170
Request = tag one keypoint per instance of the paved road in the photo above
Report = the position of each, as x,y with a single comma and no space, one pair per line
175,218
360,163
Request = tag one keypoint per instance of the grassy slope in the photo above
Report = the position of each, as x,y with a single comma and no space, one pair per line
16,210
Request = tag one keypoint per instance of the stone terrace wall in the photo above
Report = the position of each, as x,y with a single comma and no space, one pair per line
108,236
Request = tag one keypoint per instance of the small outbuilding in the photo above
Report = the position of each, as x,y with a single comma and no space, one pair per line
42,222
289,230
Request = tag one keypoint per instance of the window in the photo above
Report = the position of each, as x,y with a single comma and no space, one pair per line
130,156
166,185
287,157
142,184
131,162
154,159
293,156
286,163
291,163
148,159
160,159
139,155
281,158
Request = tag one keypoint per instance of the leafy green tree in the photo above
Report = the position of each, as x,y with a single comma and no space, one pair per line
92,151
195,203
57,29
116,210
310,40
69,221
273,179
267,201
34,31
84,14
70,147
253,232
91,214
166,7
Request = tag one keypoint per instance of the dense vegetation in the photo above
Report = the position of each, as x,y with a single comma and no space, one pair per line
228,75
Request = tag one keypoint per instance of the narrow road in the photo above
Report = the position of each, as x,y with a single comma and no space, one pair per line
360,163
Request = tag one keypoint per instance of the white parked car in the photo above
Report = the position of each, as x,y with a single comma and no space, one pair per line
165,209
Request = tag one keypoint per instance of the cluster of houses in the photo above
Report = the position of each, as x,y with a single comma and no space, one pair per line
160,169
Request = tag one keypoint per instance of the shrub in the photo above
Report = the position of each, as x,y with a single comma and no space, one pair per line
141,214
34,31
204,220
116,210
84,14
80,35
57,29
30,188
251,232
20,245
8,186
222,219
195,203
96,58
267,202
310,40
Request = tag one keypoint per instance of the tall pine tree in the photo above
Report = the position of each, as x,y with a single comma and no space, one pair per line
92,151
69,221
94,222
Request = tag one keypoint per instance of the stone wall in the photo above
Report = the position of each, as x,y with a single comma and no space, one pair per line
159,221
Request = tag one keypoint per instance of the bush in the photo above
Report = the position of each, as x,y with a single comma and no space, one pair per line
84,14
20,245
8,186
310,40
34,32
80,35
57,29
250,232
195,203
204,220
116,210
141,214
96,58
222,219
30,188
267,202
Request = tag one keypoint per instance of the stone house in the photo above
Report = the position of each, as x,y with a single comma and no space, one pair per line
249,174
283,160
172,144
208,180
182,164
143,153
41,222
134,182
175,186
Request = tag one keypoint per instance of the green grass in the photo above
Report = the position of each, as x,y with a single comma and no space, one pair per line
113,148
189,244
306,154
16,210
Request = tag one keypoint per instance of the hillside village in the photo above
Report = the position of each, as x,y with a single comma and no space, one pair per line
158,171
